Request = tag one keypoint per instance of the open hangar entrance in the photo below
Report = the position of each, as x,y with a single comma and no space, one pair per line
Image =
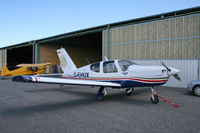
19,55
83,48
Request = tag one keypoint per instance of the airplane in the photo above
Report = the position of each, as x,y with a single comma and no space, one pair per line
24,69
114,74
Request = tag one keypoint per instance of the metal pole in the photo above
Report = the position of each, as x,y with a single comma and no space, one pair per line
108,42
35,52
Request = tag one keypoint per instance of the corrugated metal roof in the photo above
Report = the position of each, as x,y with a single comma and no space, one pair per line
103,27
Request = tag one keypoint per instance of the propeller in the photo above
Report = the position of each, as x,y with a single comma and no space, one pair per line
176,76
168,69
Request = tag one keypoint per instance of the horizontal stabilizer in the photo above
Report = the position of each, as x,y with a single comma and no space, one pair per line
22,79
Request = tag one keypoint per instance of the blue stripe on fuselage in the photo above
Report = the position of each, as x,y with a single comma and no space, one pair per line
128,83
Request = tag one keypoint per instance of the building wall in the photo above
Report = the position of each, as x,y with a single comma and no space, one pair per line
175,41
2,58
171,38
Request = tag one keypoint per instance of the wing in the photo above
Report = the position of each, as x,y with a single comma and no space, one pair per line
53,80
33,65
51,75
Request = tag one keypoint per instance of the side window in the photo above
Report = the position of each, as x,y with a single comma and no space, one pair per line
95,67
109,67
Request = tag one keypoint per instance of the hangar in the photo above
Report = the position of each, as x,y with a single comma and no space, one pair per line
172,37
87,43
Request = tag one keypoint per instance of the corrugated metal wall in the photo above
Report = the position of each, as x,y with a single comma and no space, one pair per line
171,38
188,68
174,40
2,58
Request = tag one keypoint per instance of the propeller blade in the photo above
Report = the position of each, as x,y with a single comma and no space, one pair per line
168,69
176,76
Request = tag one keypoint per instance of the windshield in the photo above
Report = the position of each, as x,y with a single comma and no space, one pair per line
124,64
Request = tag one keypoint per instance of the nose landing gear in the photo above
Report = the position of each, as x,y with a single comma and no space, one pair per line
154,96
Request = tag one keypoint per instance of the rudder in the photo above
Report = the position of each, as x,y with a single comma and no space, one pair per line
5,71
65,61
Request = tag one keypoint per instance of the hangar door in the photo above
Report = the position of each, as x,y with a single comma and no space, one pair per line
84,48
19,55
2,57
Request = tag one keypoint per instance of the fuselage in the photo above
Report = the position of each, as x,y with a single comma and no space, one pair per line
124,72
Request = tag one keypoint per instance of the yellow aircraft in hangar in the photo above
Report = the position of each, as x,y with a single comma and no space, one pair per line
24,69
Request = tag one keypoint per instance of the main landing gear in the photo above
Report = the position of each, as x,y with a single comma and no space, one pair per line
154,96
101,94
129,91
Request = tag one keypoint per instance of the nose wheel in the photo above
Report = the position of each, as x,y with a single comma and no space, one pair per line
129,91
154,99
154,96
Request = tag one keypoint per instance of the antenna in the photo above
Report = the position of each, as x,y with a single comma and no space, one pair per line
106,59
87,60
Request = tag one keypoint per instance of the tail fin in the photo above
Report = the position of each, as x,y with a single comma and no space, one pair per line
65,61
5,71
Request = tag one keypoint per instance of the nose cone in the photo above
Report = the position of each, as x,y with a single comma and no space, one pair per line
173,71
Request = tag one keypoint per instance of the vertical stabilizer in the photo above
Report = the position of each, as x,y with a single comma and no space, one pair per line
66,62
5,71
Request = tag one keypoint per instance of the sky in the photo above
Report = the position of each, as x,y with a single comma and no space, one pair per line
27,20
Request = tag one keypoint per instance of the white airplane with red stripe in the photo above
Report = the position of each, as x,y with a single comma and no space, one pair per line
115,74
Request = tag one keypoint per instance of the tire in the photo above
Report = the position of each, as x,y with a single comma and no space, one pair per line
100,98
155,100
100,95
196,90
129,91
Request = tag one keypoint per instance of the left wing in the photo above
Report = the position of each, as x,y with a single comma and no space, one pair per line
63,81
33,65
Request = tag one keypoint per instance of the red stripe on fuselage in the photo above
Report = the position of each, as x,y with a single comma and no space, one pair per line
142,80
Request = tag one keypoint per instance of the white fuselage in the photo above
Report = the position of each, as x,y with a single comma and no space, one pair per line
123,72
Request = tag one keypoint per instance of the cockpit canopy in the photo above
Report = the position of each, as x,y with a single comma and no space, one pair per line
111,66
124,64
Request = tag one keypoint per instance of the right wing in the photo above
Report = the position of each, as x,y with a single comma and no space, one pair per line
33,65
51,75
53,80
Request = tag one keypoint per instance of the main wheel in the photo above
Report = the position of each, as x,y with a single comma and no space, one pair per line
101,94
196,90
129,91
154,99
100,97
